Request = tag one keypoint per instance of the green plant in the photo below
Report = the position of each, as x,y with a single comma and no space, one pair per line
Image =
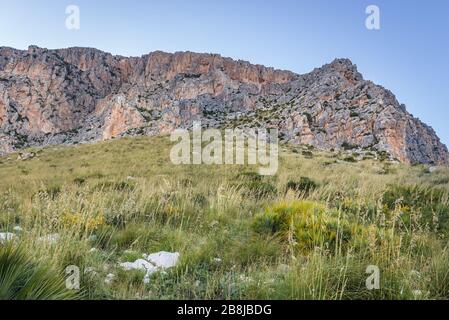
23,279
304,184
307,154
420,206
259,189
305,225
348,146
350,159
238,237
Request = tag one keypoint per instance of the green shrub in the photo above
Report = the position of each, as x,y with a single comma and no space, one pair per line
255,185
125,238
308,154
439,275
249,176
79,181
350,159
200,200
383,156
305,224
22,279
348,146
419,206
268,222
115,186
51,192
259,189
356,208
304,184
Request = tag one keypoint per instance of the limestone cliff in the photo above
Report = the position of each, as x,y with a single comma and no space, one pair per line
78,95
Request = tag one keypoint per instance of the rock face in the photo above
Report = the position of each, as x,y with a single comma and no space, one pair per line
79,95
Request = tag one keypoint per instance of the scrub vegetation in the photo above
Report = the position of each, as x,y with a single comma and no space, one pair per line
309,232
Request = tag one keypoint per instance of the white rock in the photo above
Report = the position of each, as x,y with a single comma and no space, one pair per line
214,224
26,156
433,169
18,229
152,263
417,293
139,264
109,278
6,236
163,259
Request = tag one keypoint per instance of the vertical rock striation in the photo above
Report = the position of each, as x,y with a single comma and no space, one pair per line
79,95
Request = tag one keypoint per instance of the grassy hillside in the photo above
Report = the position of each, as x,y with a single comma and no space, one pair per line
309,232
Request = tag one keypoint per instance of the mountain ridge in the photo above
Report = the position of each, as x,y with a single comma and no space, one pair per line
76,95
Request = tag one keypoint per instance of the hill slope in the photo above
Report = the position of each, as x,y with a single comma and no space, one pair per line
309,232
79,94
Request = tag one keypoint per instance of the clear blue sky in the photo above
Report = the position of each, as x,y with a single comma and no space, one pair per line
409,55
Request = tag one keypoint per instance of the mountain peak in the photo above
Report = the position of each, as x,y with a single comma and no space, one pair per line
76,95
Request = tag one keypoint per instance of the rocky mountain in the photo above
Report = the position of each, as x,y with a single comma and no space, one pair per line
78,95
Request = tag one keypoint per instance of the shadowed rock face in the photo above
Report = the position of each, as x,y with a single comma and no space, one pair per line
79,95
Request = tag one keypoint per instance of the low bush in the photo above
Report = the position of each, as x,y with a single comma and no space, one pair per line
306,225
418,206
22,279
304,184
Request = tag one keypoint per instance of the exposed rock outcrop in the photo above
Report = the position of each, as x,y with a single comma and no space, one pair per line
80,94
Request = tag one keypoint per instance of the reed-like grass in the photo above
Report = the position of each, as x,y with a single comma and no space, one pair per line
309,232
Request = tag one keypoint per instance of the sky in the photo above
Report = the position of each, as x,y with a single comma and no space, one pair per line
409,54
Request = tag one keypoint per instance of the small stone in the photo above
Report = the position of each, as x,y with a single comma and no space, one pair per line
417,293
163,259
433,169
26,156
109,279
152,263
